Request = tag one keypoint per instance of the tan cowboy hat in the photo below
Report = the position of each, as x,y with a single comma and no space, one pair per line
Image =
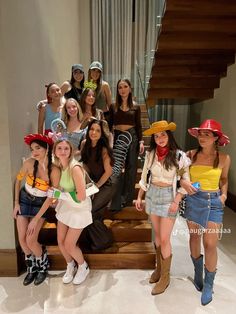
160,126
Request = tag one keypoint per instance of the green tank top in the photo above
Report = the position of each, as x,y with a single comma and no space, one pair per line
66,181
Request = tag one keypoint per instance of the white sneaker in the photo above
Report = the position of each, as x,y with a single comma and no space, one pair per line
82,273
70,272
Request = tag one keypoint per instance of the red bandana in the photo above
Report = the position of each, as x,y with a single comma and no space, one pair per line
162,152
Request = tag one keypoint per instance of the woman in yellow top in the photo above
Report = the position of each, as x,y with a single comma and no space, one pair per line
204,206
37,172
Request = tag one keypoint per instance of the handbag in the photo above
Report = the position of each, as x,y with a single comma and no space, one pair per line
148,177
90,187
182,206
96,237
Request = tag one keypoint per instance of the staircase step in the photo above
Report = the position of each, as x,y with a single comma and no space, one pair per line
127,213
122,255
130,230
122,230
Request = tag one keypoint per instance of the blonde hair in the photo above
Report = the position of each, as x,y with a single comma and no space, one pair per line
71,157
65,115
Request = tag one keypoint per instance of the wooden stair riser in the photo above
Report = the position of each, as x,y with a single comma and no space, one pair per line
123,231
120,256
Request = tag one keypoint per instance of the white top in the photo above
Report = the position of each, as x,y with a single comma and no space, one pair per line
160,174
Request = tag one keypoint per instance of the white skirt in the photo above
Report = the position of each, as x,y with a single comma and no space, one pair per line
74,215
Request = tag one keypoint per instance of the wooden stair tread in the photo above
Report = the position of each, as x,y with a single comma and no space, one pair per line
117,247
135,224
129,213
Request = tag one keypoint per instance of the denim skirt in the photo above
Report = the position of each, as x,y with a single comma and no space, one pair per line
29,204
158,200
202,207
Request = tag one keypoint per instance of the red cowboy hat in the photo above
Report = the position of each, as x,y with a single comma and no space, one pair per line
214,126
28,139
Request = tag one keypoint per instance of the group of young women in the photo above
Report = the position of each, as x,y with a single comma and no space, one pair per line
107,140
73,133
203,177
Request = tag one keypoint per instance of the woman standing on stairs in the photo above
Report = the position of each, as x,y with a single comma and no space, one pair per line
125,119
50,110
164,163
204,207
103,91
74,87
38,173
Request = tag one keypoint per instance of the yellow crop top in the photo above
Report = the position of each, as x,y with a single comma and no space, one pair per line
207,176
40,184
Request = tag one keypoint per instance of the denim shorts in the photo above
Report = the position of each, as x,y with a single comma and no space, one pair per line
202,207
29,204
158,200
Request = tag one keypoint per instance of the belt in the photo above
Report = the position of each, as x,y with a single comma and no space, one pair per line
34,191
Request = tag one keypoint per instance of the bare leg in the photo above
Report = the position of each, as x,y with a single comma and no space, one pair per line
22,225
166,227
210,240
71,247
32,240
194,240
61,236
156,227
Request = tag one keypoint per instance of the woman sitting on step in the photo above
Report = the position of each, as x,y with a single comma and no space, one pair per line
38,172
204,207
164,163
97,159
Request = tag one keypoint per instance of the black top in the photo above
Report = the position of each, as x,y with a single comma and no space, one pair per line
95,167
130,117
74,93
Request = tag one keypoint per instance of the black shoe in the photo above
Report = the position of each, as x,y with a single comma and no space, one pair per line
41,276
29,278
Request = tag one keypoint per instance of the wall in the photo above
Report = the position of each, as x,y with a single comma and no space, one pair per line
40,40
222,108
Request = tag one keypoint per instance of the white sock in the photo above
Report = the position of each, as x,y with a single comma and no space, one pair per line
72,263
84,265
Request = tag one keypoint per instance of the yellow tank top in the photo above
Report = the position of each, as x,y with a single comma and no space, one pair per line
207,176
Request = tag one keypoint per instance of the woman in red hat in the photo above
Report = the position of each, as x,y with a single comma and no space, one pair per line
204,206
37,172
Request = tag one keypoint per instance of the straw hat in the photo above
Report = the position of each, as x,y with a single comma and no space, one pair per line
160,126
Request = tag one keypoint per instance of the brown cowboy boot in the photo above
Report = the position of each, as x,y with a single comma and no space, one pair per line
164,281
155,276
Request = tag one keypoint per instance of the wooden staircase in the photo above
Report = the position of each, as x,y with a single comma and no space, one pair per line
196,44
132,234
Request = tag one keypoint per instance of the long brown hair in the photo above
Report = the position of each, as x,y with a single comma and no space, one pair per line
171,158
83,103
118,97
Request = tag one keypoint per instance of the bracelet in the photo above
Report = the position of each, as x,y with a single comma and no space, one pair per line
141,142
